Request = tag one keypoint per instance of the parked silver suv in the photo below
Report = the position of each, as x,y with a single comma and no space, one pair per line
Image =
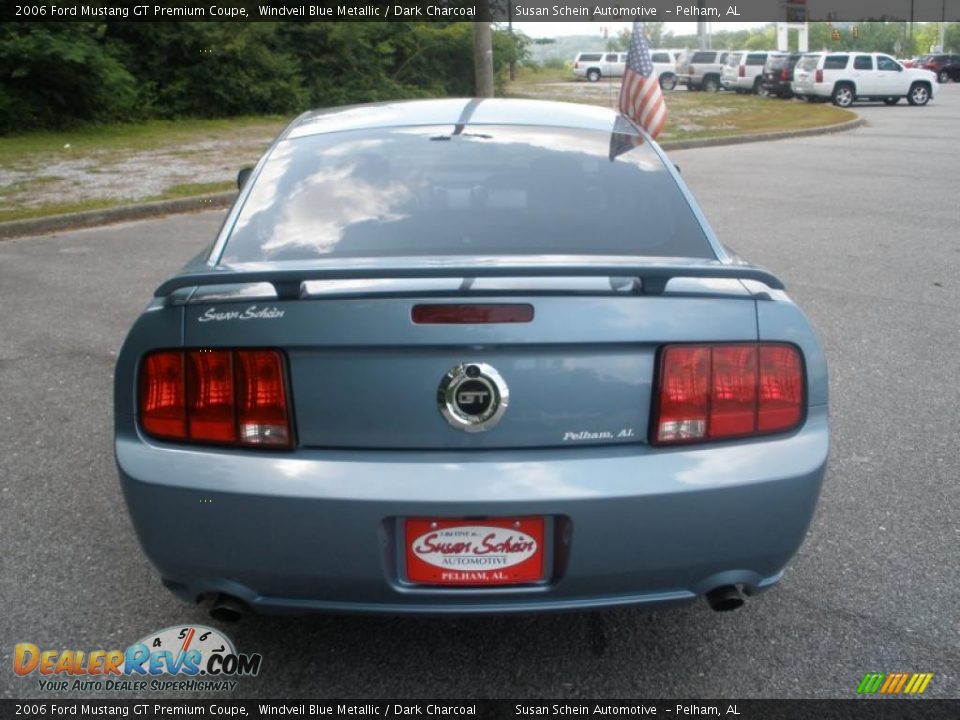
743,71
701,69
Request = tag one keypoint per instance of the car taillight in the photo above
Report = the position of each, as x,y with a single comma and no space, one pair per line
784,75
728,390
819,75
231,397
162,409
261,399
211,408
743,71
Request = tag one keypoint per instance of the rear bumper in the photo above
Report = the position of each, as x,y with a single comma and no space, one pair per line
811,89
776,87
736,83
320,530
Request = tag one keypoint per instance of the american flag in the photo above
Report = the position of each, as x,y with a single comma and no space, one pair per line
640,97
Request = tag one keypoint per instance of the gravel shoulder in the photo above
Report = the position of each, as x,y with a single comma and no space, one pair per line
54,173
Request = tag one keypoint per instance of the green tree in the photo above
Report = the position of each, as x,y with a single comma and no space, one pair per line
56,74
655,33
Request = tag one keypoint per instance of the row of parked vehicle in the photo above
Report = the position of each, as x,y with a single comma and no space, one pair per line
842,77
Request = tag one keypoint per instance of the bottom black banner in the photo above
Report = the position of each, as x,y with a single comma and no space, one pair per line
730,709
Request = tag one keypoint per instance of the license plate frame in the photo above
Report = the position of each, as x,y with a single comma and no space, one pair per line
475,553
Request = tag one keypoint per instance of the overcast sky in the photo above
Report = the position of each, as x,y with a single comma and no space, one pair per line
555,29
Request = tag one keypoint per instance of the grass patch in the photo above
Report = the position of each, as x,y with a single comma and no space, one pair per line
174,192
700,115
151,135
191,189
26,185
527,75
27,213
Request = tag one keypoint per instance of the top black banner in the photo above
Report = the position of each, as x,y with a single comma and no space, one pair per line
599,11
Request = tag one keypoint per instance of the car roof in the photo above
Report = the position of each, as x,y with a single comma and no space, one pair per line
848,52
457,111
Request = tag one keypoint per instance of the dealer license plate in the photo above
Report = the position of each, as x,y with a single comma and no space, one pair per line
501,551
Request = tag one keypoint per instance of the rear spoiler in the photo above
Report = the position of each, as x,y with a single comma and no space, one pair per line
653,276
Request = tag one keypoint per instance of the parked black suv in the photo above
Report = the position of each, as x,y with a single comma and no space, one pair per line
947,67
778,73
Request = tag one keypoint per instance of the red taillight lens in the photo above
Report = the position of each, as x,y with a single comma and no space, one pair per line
710,392
743,71
162,409
262,399
210,410
784,75
780,404
684,387
233,397
733,391
819,76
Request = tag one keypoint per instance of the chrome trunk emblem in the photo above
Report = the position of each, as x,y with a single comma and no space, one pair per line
473,397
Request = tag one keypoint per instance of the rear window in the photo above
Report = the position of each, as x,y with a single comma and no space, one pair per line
775,62
734,60
835,62
887,63
485,189
808,62
704,57
756,58
591,57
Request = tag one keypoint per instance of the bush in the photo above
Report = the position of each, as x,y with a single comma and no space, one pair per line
56,74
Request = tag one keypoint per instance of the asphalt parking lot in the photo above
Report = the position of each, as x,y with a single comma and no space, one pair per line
863,226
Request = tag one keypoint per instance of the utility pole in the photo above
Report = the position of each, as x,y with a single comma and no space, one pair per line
483,51
513,64
911,27
943,26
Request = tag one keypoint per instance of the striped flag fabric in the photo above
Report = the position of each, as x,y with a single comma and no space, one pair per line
640,96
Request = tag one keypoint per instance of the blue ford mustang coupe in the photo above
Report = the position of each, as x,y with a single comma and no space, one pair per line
464,356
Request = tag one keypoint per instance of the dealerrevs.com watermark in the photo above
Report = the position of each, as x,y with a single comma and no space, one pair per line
189,658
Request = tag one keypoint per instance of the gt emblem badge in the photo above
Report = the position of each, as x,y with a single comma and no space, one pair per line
473,397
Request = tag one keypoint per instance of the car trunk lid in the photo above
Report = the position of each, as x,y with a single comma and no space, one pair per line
364,374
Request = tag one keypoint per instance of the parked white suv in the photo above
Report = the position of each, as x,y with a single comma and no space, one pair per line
743,71
847,76
596,65
665,63
701,69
